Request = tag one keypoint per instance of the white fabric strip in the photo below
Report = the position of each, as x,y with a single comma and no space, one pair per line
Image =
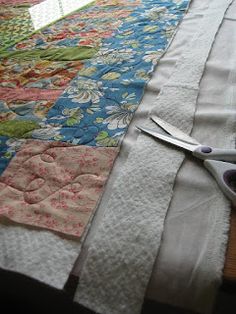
39,254
120,259
161,74
189,265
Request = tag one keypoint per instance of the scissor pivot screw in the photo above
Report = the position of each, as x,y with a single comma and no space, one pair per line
206,149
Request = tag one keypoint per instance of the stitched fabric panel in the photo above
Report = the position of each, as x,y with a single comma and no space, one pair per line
55,186
15,22
109,88
77,82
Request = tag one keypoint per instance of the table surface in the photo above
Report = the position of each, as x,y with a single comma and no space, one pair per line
230,260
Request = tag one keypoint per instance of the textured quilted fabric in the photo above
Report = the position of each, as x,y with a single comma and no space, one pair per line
120,260
20,25
40,254
55,185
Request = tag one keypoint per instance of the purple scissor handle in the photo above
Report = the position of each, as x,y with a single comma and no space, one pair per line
225,175
206,152
219,162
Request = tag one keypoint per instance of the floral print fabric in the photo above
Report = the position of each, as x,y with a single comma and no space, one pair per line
54,185
110,86
44,74
76,83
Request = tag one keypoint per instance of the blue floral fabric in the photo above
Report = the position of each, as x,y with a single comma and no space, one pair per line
97,107
8,148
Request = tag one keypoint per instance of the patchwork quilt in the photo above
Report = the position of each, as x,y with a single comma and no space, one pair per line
67,95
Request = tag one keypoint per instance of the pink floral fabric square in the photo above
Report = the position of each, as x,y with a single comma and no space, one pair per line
55,185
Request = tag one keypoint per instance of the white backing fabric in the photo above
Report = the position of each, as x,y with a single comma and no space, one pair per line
190,261
39,254
122,252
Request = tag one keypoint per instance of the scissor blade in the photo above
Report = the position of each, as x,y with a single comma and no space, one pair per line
169,139
177,133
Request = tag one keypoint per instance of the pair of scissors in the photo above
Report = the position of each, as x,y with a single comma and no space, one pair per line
219,162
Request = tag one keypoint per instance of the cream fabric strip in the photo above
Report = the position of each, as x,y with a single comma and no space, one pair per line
120,259
39,254
190,261
161,74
